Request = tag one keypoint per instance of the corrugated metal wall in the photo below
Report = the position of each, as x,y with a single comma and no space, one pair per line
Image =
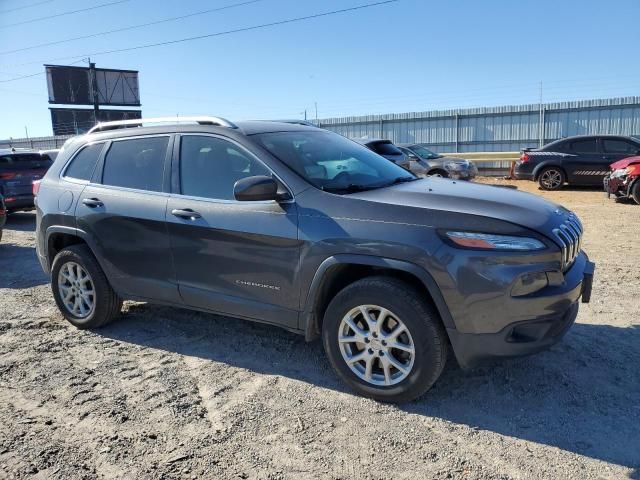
489,129
496,129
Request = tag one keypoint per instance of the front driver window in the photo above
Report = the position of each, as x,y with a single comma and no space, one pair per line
210,167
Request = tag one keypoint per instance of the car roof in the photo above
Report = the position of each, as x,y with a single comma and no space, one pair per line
367,141
588,136
245,128
252,127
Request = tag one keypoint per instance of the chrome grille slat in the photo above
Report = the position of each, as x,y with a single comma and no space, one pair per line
569,236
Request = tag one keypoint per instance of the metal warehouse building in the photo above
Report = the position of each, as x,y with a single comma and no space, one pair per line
497,129
487,129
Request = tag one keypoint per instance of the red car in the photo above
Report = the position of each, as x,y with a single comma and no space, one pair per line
624,179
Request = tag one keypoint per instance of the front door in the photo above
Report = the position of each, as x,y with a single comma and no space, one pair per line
231,257
614,149
123,211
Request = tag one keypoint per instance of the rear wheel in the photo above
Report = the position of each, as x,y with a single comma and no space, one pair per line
551,178
81,289
384,340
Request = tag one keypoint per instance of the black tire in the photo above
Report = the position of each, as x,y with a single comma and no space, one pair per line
551,178
107,305
419,317
438,173
635,192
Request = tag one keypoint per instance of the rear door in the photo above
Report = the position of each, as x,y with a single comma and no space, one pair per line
123,210
238,258
17,173
584,165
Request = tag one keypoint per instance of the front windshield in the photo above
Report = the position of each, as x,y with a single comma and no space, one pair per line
423,152
331,162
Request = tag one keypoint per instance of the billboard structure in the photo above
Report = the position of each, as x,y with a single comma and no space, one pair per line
74,86
90,86
74,121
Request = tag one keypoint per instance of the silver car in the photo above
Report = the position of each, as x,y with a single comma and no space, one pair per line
425,162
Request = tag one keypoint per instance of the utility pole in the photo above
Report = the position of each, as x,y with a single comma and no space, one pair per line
316,105
305,114
541,121
26,132
94,90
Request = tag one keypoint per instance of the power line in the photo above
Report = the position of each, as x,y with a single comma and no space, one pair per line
61,14
26,6
131,27
211,35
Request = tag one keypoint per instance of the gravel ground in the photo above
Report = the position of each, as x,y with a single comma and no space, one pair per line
167,393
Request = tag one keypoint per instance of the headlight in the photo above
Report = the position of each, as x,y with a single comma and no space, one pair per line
620,173
453,166
494,242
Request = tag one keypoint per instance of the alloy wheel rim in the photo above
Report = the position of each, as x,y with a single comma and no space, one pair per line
376,345
551,178
76,290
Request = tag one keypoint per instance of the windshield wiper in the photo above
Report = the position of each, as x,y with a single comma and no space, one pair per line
351,188
397,181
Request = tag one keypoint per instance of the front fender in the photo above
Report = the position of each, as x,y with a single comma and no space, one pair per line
309,322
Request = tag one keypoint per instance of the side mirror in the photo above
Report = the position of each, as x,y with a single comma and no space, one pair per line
252,189
413,157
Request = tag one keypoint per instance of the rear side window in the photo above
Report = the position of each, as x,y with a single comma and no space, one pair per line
619,146
385,148
137,163
84,163
584,146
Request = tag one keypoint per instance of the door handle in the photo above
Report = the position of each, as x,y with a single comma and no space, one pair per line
186,213
92,202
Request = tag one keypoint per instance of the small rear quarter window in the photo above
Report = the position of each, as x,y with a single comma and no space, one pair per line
84,163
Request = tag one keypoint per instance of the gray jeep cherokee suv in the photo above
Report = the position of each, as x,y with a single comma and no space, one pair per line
302,228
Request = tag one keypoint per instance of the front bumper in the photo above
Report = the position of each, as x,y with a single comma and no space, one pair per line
615,186
462,174
525,337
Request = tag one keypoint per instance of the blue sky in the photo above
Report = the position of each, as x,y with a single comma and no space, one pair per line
412,55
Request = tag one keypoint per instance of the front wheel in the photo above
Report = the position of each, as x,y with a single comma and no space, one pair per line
384,340
438,174
635,191
551,178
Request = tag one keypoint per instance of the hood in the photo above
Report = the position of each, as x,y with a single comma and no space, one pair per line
624,163
520,208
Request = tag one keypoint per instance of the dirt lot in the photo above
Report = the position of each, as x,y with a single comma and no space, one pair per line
166,393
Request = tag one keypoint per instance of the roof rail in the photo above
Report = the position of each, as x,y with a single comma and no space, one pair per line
140,122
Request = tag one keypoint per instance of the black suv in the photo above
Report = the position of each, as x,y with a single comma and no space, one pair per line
302,228
19,168
579,160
